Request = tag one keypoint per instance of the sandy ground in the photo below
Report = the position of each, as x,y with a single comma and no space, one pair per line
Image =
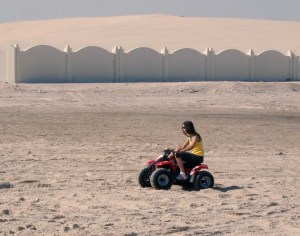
70,155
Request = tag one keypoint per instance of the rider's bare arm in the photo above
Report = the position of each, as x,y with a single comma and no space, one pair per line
191,145
186,143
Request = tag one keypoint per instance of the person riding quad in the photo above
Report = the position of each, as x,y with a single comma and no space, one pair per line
191,152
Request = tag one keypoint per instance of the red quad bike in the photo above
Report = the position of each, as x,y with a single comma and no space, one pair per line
161,173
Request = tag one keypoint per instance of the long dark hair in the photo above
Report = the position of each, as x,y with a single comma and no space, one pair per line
190,128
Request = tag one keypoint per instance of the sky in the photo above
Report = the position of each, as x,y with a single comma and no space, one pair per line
24,10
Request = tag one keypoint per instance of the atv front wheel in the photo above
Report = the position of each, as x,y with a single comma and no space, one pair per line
161,179
203,180
144,177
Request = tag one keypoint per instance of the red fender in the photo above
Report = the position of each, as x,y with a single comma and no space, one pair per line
203,166
150,162
198,168
165,164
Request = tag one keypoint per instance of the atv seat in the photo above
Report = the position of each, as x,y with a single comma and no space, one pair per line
190,165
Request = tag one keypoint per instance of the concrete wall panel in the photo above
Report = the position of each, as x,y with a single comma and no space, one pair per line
142,65
186,65
231,65
42,64
92,64
272,66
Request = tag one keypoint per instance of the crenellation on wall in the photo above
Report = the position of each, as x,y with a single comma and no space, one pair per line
212,65
165,53
251,55
119,71
293,65
297,68
207,64
68,51
46,64
13,64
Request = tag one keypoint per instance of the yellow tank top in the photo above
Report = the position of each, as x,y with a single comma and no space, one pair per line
198,148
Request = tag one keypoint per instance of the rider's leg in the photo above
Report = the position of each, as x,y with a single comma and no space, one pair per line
171,155
180,164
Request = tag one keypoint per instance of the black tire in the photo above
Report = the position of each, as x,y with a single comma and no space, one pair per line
203,180
144,177
161,179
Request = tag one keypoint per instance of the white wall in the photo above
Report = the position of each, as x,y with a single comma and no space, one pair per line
42,64
45,64
187,65
92,64
231,65
272,66
142,65
3,66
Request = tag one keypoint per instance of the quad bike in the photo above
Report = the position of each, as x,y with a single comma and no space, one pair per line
161,172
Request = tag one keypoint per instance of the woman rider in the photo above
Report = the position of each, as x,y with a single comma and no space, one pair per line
191,151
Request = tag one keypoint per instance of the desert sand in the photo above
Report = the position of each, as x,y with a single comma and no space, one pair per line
156,32
71,155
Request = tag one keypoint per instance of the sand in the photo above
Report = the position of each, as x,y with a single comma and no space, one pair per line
156,32
71,155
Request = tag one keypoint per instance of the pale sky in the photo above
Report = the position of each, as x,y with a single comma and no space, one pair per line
22,10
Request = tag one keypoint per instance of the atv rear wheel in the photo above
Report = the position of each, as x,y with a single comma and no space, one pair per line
161,179
203,180
144,177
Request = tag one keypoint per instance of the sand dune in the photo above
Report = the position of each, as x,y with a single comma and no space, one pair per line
155,31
